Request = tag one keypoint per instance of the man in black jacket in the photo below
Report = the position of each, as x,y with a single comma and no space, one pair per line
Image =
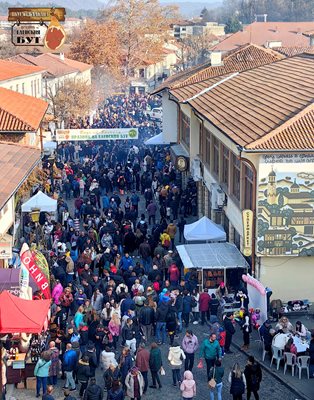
161,318
93,391
147,318
230,331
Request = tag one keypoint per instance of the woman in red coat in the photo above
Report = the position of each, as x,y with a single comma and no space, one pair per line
204,305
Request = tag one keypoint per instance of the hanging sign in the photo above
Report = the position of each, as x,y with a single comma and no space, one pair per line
247,218
6,243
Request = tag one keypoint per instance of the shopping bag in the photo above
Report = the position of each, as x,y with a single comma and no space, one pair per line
200,364
162,371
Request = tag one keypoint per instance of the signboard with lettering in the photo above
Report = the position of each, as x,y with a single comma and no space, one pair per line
28,34
6,243
67,135
247,217
285,224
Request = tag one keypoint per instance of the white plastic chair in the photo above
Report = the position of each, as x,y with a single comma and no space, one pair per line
290,361
303,362
277,355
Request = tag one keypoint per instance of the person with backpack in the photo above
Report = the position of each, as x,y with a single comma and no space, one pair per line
253,376
238,382
216,372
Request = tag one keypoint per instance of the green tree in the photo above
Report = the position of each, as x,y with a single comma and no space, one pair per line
205,15
233,25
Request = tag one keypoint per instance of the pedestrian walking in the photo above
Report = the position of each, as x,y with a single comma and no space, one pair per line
134,383
83,374
230,331
210,351
41,372
116,392
69,365
237,382
176,356
253,376
93,391
155,365
188,386
216,372
246,330
190,346
204,306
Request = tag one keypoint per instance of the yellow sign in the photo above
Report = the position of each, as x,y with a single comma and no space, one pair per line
66,135
35,14
247,218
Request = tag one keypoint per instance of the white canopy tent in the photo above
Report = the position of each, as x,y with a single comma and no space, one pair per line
211,256
155,140
204,230
41,201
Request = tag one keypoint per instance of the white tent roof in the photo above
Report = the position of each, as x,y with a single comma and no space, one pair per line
157,139
204,229
211,256
42,201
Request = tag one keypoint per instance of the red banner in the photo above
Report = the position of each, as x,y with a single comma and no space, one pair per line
41,280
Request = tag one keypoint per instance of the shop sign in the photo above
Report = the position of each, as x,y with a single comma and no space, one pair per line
67,135
28,34
35,14
6,243
247,218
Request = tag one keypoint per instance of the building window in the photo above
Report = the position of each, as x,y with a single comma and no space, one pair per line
185,130
215,156
225,166
23,88
248,187
32,88
17,87
236,176
206,154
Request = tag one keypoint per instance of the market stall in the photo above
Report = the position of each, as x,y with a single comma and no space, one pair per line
19,318
40,201
214,262
204,230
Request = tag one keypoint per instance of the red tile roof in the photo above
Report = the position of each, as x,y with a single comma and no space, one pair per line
245,58
16,163
80,66
296,134
19,112
257,102
293,51
289,33
11,70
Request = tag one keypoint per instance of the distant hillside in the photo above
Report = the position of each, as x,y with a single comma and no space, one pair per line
74,5
193,8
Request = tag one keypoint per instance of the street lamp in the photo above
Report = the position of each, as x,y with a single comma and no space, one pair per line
35,213
51,161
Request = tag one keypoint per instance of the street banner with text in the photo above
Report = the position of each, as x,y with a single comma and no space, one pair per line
247,216
67,135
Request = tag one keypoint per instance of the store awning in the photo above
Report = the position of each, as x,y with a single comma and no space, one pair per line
22,316
204,230
211,256
157,140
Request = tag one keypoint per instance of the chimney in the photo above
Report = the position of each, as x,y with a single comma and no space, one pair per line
215,58
265,17
62,56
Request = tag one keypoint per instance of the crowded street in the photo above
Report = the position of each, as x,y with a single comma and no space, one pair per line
123,309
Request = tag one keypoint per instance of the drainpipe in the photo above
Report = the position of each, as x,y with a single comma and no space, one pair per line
252,166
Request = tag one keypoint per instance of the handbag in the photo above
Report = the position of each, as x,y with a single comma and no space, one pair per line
162,371
212,381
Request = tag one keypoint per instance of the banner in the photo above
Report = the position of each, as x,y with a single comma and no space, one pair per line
24,275
257,296
29,260
67,135
247,218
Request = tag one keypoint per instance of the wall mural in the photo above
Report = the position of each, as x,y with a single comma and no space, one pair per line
285,210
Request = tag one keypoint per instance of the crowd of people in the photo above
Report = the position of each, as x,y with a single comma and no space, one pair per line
119,292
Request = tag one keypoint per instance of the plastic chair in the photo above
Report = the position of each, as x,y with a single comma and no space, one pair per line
290,361
277,355
303,362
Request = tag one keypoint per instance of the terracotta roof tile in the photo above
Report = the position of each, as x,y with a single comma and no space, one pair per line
78,65
289,33
293,51
10,69
19,112
15,166
245,58
295,134
256,102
